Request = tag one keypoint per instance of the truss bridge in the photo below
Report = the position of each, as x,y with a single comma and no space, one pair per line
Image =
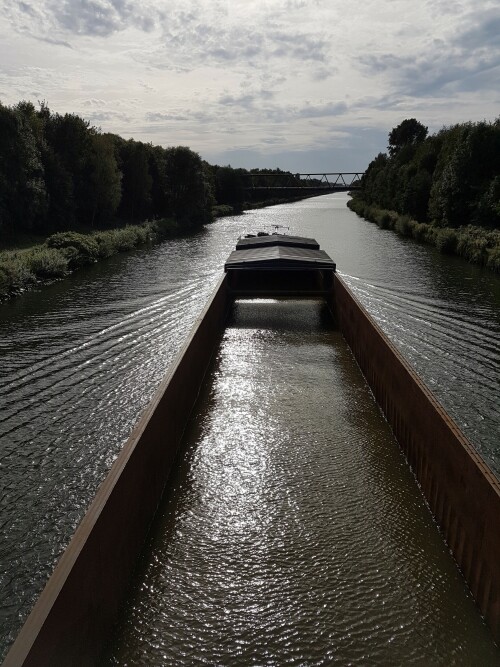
312,183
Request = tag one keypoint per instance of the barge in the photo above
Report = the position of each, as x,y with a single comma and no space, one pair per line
75,613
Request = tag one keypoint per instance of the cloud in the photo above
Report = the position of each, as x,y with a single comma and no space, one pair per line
91,17
246,101
187,35
322,110
466,61
159,117
298,46
276,77
107,116
99,18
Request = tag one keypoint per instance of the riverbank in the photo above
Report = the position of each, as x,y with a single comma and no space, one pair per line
32,262
60,254
478,245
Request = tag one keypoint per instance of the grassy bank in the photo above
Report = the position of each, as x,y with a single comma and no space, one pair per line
62,253
29,261
478,245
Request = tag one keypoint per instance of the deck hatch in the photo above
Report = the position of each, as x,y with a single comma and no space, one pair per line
277,240
279,257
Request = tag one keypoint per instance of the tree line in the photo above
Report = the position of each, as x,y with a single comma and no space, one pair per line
58,172
448,179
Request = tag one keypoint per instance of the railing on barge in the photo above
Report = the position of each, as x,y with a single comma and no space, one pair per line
75,613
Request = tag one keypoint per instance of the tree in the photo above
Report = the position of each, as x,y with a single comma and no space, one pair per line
137,181
71,157
23,198
189,194
159,188
408,133
229,188
105,179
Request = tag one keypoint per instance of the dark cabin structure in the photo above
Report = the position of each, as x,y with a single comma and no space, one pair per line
279,265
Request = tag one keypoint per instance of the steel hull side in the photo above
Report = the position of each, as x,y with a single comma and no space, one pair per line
461,491
76,611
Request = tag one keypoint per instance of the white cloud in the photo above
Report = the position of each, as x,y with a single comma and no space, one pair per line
271,77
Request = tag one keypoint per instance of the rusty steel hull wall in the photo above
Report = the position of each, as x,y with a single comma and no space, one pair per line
75,613
461,491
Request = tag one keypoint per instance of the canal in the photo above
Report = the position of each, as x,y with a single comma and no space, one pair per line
81,359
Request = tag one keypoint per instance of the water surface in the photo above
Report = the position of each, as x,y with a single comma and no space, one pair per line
80,360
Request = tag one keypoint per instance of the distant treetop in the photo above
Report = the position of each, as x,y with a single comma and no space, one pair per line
409,132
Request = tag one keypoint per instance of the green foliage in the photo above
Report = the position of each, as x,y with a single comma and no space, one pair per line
57,172
423,232
137,181
404,225
22,191
105,179
407,134
477,245
47,263
79,249
450,179
189,192
165,228
229,187
222,210
14,276
473,244
64,252
446,241
493,261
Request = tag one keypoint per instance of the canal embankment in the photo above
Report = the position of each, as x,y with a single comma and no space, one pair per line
61,253
477,245
35,264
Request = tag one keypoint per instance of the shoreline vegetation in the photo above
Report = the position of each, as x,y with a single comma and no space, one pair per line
441,189
62,253
32,262
477,245
71,194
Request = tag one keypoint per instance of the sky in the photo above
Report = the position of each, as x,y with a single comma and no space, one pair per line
303,85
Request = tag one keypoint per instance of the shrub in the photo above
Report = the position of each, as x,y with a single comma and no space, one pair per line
493,261
472,244
106,244
14,276
163,229
222,210
127,239
422,232
446,241
384,220
404,225
47,263
79,249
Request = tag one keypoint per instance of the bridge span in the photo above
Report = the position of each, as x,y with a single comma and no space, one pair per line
335,181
